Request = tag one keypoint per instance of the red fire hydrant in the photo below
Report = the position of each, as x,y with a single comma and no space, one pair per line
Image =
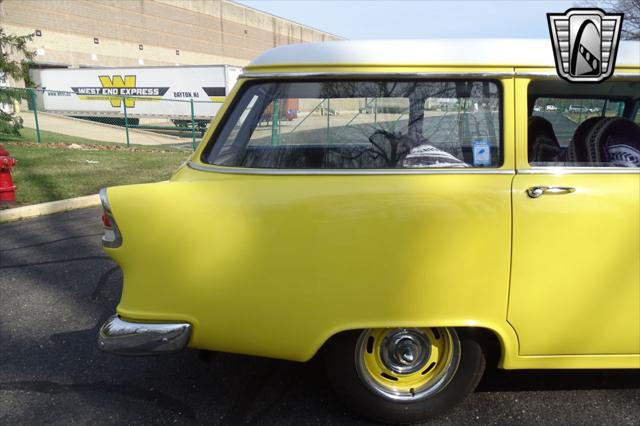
7,188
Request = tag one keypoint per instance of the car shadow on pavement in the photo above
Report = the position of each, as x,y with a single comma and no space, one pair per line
496,380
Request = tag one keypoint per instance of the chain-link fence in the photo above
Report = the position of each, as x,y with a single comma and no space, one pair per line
59,116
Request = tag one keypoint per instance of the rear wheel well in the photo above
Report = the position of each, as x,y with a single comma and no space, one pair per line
489,341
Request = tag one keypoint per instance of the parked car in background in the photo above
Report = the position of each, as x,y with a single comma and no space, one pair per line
407,244
577,108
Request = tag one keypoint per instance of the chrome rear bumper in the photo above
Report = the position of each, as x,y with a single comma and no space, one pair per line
136,338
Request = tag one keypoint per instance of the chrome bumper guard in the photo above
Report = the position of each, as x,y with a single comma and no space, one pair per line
136,338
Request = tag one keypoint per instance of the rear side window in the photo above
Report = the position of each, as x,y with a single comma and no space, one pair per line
362,125
583,125
566,114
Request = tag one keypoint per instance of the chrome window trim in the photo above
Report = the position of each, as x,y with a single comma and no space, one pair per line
337,172
578,170
457,74
287,75
460,74
555,75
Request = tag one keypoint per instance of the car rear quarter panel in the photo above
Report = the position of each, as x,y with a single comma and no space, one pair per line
275,265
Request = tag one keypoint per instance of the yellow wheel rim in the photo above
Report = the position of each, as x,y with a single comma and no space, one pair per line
407,363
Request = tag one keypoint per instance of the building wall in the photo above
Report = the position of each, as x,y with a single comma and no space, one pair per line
203,31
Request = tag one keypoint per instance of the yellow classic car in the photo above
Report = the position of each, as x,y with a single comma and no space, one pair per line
408,209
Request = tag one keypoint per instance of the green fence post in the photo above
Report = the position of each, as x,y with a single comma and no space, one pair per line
328,121
35,113
275,123
375,110
126,119
193,128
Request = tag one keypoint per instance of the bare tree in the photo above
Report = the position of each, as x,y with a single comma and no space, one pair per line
630,8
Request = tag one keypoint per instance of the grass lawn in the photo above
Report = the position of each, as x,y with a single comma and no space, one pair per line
53,171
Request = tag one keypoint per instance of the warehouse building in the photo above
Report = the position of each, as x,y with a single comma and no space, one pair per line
112,33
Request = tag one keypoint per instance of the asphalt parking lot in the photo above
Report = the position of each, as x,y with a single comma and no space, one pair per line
57,286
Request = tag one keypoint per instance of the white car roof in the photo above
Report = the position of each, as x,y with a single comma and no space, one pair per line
454,52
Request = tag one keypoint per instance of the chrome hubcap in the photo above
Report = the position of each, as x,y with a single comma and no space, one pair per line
407,364
405,351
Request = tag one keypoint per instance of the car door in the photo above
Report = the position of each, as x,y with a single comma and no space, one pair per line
575,282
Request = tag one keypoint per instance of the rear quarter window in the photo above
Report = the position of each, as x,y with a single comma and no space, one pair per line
381,124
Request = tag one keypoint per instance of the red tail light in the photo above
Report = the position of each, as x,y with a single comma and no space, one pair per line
105,221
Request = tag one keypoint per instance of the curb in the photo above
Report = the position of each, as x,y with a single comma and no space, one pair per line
111,126
42,209
114,127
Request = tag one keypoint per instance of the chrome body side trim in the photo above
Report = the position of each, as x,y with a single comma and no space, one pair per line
131,338
338,172
578,170
461,74
112,238
104,200
532,171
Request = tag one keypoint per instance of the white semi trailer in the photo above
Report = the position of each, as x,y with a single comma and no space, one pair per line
146,91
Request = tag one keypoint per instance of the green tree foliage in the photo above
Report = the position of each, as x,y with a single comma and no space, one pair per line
15,58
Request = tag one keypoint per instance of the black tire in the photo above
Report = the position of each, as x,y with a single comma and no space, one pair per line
340,363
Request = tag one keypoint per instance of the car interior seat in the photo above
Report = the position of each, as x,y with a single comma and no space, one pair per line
576,152
615,142
543,145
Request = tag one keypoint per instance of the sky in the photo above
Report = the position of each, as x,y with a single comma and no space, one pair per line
419,19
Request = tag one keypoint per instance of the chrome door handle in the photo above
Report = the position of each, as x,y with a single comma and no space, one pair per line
537,191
